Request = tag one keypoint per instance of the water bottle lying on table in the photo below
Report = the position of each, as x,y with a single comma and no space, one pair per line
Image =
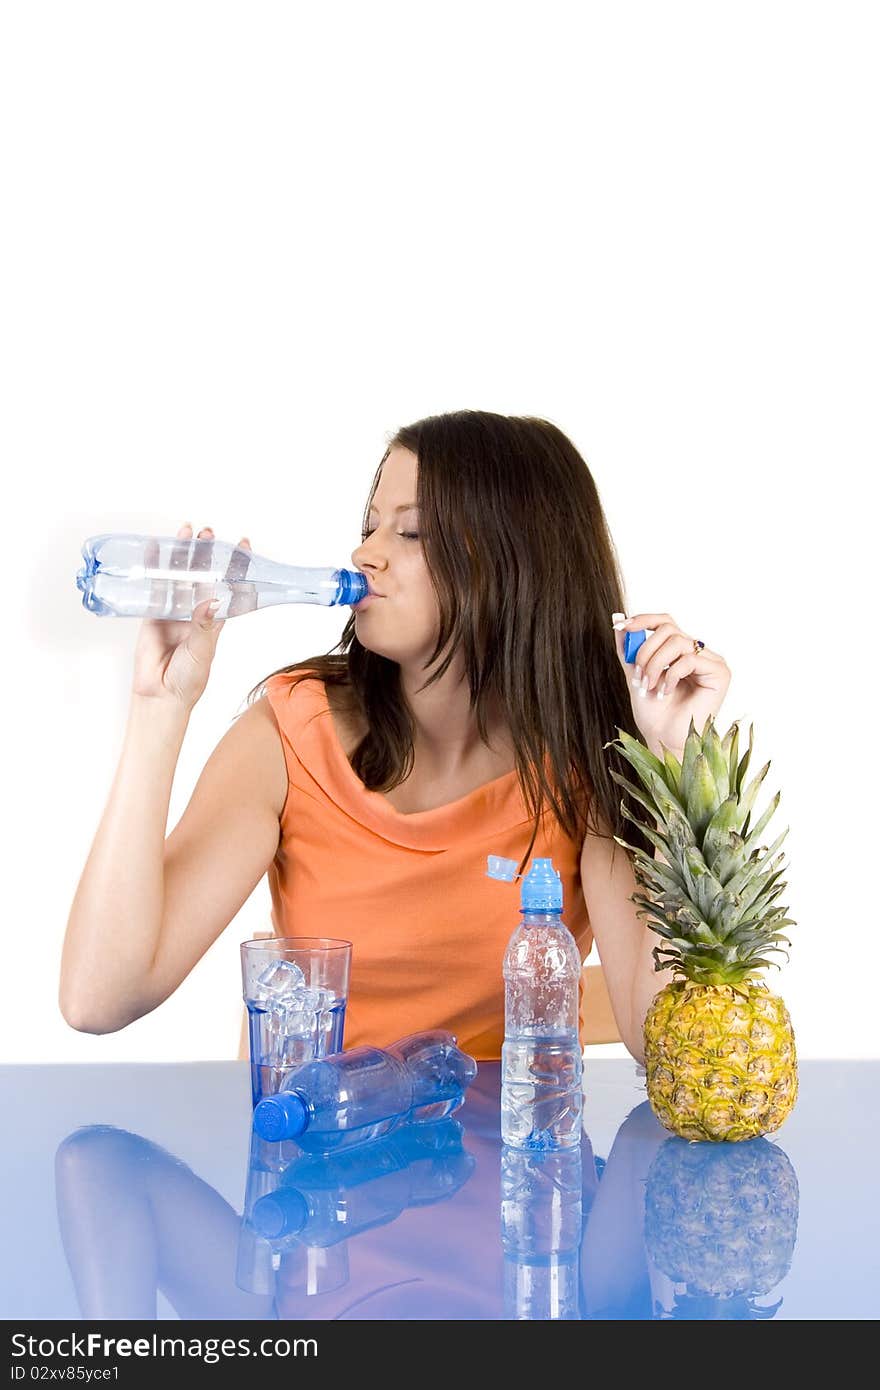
133,576
351,1097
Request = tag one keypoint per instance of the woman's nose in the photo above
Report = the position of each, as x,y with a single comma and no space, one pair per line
365,554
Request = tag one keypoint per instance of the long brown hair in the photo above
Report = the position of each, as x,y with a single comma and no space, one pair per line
526,577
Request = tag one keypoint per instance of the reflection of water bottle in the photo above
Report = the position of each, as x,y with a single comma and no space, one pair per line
541,1208
129,576
350,1097
323,1199
541,1062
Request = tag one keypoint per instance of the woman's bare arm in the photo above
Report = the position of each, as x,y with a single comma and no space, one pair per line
146,908
625,943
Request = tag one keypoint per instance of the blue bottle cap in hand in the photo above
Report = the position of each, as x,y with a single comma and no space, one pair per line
631,643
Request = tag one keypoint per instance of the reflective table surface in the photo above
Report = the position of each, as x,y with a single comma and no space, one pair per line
136,1191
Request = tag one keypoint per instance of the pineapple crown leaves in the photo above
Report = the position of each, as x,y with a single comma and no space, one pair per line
707,775
712,900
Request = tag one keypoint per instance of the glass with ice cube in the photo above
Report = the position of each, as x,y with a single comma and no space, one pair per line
295,989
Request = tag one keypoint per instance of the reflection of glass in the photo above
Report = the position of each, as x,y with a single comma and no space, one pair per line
256,1262
320,1201
541,1206
721,1224
296,990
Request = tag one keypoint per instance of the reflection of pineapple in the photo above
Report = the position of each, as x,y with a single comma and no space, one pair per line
722,1220
720,1058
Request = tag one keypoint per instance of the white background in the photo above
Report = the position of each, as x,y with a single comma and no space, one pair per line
242,244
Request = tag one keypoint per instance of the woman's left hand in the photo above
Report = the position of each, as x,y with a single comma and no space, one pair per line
670,683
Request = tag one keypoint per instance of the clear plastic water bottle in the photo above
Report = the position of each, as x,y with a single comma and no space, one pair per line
541,1061
351,1097
130,576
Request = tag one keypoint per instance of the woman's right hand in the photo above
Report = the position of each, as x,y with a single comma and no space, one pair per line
172,660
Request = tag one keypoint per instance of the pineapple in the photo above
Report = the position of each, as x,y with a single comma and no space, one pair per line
720,1057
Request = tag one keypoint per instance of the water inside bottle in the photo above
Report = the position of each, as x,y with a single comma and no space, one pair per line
541,1090
132,576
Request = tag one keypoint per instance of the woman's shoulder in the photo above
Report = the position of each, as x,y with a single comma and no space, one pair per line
349,724
262,751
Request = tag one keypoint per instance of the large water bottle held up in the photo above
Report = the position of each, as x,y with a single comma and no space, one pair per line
351,1097
541,1061
132,576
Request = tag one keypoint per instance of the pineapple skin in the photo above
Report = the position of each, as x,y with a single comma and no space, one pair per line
720,1063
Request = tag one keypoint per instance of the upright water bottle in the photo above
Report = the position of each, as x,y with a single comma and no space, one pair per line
130,576
351,1097
541,1062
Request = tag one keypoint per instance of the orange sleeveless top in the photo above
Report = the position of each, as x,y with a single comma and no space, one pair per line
428,927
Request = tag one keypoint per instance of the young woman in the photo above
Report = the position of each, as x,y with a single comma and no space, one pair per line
465,714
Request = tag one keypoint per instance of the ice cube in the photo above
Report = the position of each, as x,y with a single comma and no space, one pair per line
297,1022
278,978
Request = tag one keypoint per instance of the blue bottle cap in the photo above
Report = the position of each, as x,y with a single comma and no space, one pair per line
352,586
541,888
280,1213
503,869
282,1116
631,643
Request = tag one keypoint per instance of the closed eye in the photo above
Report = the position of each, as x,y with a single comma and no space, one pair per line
407,535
